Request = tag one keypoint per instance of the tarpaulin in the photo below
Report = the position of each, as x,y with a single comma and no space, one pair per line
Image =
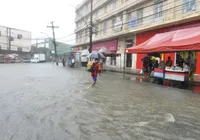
110,45
179,40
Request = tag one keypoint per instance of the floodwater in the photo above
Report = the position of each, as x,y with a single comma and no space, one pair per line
45,102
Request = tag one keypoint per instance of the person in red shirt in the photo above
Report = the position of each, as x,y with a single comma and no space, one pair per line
95,72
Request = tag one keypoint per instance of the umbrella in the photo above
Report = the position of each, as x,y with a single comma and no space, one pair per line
104,50
146,57
96,55
154,54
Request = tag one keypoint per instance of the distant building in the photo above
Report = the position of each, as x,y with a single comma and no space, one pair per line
14,40
62,48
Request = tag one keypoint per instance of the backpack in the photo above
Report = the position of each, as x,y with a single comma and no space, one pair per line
92,68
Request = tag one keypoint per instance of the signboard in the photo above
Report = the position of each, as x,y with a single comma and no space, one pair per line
133,23
13,48
118,24
110,45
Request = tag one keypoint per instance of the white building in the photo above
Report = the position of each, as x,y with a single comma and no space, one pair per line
14,40
119,24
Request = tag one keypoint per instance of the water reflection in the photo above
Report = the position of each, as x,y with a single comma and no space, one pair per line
184,85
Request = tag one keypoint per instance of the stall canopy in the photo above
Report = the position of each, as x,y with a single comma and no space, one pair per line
107,52
179,40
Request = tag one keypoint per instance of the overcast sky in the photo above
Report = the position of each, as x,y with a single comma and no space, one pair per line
35,15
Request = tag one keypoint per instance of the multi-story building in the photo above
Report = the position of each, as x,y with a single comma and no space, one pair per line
119,24
14,40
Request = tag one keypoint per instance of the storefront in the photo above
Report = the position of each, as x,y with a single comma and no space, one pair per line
142,37
112,46
184,43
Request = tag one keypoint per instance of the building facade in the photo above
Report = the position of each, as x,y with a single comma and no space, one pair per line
14,40
132,22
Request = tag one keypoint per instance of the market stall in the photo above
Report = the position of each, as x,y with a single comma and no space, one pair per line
182,43
108,53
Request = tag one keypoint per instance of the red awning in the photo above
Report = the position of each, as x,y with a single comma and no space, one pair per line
179,40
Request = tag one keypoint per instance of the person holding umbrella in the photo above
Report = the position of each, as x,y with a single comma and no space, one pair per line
95,67
94,71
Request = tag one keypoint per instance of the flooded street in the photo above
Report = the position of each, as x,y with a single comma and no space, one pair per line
45,102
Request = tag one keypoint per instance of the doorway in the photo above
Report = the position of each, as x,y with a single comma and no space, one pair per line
129,43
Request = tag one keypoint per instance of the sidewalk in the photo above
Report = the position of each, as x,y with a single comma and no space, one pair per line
127,70
137,72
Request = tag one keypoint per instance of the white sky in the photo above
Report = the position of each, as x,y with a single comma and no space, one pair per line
35,15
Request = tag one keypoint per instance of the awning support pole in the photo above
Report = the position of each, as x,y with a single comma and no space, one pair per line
120,62
124,64
164,68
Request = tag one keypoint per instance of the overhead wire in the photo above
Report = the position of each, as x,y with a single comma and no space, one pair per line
139,18
111,19
128,12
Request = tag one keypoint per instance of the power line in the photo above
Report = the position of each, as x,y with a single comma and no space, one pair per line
66,36
54,40
128,12
134,10
139,18
113,18
87,14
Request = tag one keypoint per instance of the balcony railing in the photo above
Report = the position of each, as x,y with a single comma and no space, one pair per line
170,15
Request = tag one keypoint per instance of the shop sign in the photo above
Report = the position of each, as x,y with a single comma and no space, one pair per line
13,48
110,45
133,23
118,24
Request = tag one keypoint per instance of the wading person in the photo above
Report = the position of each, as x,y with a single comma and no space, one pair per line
94,71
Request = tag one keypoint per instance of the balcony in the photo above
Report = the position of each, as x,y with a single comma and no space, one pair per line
171,14
95,6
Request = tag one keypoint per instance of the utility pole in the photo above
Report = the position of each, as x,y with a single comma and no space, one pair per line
91,26
54,39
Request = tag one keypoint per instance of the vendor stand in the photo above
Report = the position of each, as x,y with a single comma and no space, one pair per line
184,40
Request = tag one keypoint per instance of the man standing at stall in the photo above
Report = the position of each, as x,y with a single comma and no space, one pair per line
145,68
192,66
169,62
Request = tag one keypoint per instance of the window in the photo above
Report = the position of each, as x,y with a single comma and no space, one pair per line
139,16
77,38
96,30
80,36
105,9
189,5
86,34
114,4
158,11
130,20
86,8
19,49
96,14
104,28
117,24
19,36
113,61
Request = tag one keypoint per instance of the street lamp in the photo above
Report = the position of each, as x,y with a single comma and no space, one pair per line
90,26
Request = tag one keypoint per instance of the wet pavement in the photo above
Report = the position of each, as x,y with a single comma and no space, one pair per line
45,102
